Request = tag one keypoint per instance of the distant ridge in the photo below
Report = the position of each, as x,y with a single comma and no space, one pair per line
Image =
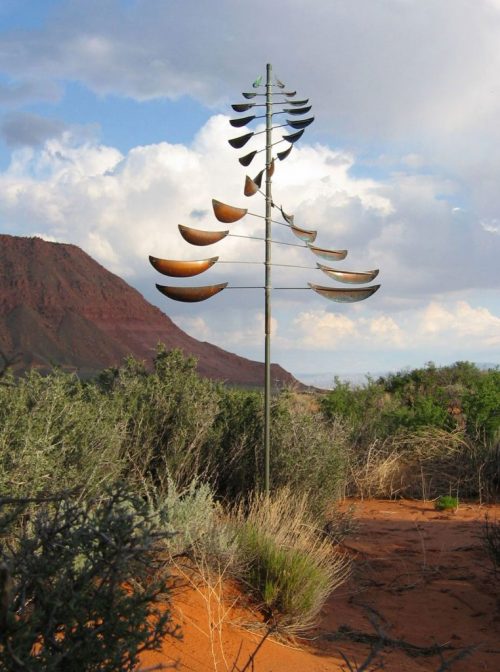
59,306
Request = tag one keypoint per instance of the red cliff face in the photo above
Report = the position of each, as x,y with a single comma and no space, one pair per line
59,306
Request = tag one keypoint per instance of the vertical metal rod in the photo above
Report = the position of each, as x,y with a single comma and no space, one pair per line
267,290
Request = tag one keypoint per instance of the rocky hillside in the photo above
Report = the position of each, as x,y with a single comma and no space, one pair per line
59,306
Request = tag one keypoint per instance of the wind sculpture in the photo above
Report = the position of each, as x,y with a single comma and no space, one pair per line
277,101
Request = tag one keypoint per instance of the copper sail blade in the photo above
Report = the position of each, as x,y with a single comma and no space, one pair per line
239,142
251,187
349,277
282,155
200,237
227,213
191,294
290,94
304,234
336,255
298,110
344,295
238,123
248,158
181,269
302,123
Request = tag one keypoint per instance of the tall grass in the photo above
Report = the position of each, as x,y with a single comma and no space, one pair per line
290,567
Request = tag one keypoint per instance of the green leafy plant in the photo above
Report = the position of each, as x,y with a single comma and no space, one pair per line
446,503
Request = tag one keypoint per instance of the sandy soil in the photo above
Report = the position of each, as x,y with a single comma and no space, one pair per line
421,579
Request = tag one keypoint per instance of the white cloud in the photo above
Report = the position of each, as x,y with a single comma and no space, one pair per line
122,207
437,326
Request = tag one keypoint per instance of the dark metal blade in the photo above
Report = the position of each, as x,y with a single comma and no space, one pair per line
344,295
299,110
243,107
241,141
290,94
200,237
181,269
251,94
301,123
191,294
237,123
294,136
258,178
282,155
298,102
247,159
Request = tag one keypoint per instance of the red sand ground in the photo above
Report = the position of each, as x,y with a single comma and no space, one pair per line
422,574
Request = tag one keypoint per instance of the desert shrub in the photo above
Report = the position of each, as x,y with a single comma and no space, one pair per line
195,523
57,433
482,407
415,464
236,447
81,595
491,541
308,454
168,415
289,564
446,503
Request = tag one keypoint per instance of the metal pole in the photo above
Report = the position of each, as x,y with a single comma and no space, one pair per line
267,290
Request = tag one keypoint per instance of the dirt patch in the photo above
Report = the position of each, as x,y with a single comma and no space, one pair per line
422,590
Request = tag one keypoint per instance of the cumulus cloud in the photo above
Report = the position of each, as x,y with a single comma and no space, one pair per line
121,207
438,326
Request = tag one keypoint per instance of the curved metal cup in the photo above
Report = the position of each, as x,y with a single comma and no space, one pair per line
344,295
227,213
181,269
191,294
349,277
331,255
200,237
307,235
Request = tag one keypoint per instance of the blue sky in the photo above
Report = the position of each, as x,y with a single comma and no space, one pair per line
114,127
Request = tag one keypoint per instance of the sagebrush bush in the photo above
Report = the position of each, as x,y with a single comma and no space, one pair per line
81,594
57,433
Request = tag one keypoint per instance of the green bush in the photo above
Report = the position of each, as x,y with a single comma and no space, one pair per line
56,431
446,503
81,596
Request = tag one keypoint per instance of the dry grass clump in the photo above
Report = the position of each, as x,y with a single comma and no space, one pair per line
423,464
288,563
